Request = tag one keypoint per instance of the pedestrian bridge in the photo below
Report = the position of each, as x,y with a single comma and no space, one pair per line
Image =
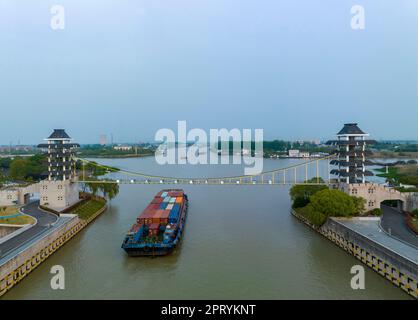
308,173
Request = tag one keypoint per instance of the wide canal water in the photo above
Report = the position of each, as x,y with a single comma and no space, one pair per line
240,243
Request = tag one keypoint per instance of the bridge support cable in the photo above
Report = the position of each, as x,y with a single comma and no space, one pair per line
317,171
273,176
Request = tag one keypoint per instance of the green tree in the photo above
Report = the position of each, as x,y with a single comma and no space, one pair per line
300,194
93,187
315,217
360,204
18,169
334,203
108,189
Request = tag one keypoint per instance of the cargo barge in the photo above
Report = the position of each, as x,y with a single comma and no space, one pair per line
160,226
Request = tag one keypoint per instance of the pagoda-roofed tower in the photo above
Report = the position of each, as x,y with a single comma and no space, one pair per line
351,152
60,150
60,190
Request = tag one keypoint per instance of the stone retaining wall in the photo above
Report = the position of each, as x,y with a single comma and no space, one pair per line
16,269
397,269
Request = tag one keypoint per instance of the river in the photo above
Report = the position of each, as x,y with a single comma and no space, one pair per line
240,243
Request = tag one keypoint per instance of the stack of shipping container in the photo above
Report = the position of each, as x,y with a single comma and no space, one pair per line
163,210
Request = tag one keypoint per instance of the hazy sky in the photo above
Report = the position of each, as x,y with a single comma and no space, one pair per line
294,68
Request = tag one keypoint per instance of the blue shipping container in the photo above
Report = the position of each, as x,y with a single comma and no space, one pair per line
174,214
139,234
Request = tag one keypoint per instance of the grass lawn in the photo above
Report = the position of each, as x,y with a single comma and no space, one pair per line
89,207
19,220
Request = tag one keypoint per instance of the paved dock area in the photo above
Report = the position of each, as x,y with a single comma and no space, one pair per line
371,230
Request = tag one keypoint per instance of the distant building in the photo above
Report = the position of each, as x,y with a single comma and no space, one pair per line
8,149
294,153
103,140
304,154
122,148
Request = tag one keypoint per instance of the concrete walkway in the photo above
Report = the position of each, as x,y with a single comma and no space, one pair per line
44,221
394,222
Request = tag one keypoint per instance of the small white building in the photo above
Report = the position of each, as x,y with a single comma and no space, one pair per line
58,195
294,153
9,196
17,195
122,148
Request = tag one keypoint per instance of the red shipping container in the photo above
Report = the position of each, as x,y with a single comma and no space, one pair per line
163,216
157,200
175,193
147,216
148,212
153,229
157,216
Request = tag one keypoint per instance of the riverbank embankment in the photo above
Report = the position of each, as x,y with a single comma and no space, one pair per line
16,265
363,239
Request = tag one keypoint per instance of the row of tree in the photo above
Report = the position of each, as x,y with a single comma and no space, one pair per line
105,187
25,168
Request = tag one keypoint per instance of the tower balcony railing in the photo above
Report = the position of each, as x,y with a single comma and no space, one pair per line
353,173
60,164
353,153
351,142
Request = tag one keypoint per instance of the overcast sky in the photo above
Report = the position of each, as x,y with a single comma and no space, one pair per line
294,68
